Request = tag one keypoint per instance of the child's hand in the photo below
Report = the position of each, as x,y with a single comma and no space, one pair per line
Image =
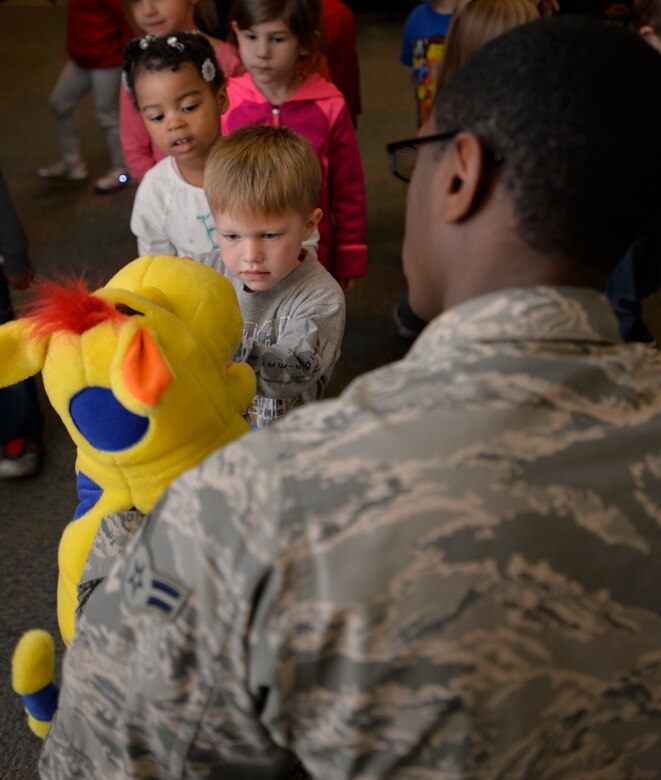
21,281
347,284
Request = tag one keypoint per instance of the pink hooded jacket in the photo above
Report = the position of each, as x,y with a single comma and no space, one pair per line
319,113
140,154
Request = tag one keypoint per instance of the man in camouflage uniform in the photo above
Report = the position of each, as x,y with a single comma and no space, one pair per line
454,569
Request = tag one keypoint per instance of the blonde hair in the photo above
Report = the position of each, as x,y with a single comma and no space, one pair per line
262,169
474,23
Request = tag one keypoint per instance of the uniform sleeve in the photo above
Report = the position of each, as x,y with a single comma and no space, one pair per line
347,198
148,221
305,351
159,680
139,153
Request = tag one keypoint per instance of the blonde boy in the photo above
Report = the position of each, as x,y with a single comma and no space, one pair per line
262,184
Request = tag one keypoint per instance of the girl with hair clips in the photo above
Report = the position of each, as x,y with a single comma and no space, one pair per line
161,18
179,90
279,43
475,22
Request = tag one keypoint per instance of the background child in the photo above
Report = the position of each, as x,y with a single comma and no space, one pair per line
277,39
474,23
179,91
425,31
21,422
96,32
262,184
161,18
638,274
339,26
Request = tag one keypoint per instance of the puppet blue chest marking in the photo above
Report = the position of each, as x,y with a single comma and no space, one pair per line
88,494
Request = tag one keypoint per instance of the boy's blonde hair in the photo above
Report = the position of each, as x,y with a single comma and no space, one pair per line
474,23
646,13
262,169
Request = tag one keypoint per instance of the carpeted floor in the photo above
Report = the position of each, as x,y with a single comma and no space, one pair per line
72,230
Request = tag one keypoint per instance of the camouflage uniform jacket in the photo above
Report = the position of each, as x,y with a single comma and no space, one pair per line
451,571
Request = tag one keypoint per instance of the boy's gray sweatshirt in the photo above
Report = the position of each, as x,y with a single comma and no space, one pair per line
292,335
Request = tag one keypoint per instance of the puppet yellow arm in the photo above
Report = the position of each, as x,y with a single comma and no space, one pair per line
21,356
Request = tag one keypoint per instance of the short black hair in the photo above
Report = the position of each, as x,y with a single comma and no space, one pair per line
572,105
169,52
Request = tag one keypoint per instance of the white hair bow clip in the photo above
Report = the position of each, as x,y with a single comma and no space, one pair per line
172,41
147,41
208,70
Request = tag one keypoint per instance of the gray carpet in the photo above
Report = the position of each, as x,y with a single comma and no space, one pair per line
72,230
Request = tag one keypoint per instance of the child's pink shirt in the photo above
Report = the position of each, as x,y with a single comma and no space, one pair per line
319,112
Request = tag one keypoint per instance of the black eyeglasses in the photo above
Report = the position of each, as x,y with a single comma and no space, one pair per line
404,154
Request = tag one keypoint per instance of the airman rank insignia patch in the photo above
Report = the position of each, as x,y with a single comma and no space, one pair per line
146,589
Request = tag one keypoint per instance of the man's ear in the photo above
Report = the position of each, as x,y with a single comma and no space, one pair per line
464,169
312,221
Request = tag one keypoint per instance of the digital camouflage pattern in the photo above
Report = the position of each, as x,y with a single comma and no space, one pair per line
112,537
450,572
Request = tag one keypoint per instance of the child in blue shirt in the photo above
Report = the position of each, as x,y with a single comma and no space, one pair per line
422,49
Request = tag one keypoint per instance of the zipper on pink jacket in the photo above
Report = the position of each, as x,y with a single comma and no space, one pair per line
276,115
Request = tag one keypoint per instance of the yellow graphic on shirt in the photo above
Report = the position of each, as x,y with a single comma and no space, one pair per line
427,54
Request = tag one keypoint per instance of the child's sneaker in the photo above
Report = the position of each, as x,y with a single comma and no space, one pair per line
20,457
64,170
115,179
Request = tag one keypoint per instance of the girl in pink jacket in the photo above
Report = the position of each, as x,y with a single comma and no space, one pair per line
279,46
163,18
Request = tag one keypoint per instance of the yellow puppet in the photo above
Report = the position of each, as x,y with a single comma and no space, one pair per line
140,372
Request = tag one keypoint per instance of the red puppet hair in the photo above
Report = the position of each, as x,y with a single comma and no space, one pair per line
66,306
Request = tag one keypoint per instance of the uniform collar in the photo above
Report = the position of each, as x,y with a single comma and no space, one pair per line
526,314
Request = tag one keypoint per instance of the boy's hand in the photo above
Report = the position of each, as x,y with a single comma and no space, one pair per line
21,281
347,284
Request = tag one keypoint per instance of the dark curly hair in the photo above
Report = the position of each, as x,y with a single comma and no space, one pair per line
168,52
571,104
